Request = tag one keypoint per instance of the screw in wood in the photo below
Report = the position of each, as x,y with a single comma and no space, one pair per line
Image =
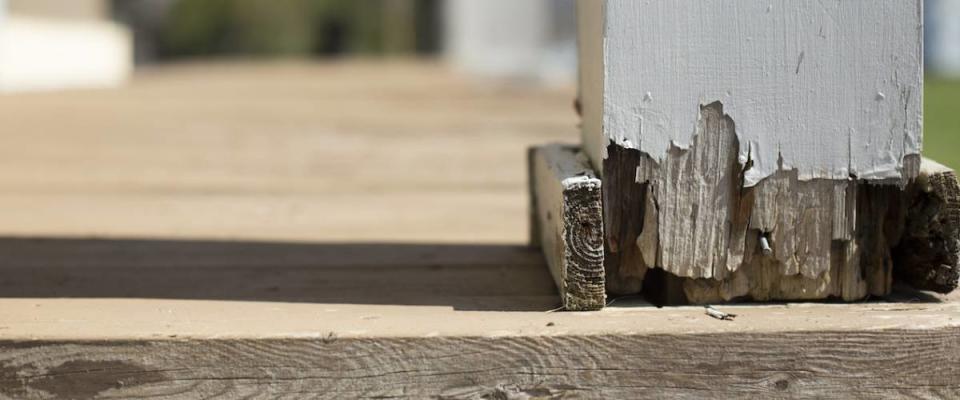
765,245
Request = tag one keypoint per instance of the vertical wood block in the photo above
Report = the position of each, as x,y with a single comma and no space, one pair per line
567,222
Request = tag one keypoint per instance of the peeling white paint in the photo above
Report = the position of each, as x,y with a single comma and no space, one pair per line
833,87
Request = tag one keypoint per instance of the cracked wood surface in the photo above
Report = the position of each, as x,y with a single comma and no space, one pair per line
692,217
789,365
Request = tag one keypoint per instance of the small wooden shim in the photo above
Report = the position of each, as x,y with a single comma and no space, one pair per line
567,222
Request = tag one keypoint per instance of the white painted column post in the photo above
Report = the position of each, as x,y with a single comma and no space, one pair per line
719,125
512,39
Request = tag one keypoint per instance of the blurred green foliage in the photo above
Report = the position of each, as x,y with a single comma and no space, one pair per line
298,27
941,122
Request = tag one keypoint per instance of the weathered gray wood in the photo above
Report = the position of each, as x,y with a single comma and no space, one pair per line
697,192
927,256
568,216
691,216
911,234
826,365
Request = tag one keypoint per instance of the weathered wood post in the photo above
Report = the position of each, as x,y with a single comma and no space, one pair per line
752,149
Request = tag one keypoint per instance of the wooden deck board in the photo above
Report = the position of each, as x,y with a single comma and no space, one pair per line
209,232
351,151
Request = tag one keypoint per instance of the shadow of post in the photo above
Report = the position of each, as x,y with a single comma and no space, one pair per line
465,277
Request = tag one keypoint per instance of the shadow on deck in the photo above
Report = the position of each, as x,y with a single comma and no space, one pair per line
465,277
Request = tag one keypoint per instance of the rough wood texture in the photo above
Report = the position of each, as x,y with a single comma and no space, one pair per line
927,257
569,215
826,365
912,235
692,216
696,195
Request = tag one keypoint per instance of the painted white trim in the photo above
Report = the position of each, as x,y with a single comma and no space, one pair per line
829,88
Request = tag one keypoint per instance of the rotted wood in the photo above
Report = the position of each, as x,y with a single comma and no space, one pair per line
625,214
789,197
568,221
927,256
910,235
692,217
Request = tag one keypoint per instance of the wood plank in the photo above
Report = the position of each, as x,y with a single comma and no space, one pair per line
789,365
260,151
568,212
194,319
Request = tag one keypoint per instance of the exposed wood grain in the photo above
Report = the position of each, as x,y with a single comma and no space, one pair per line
801,220
928,257
626,215
815,264
692,216
696,193
828,365
569,215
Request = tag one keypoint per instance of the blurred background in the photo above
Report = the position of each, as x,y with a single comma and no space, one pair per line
531,39
170,117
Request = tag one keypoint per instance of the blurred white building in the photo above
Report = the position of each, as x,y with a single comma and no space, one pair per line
513,39
61,44
942,44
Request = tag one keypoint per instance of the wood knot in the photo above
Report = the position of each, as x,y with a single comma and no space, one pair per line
782,384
